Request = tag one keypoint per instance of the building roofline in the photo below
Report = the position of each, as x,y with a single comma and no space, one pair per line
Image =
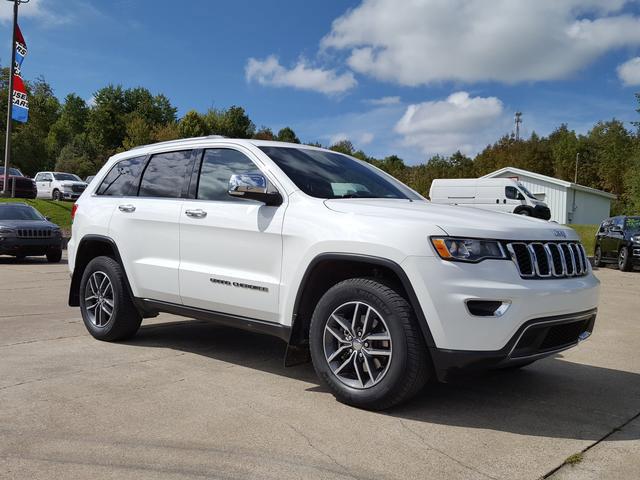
546,178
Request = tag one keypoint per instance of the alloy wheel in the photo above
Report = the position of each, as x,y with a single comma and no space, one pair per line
98,298
357,345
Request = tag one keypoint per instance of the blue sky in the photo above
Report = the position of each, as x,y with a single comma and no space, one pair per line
412,78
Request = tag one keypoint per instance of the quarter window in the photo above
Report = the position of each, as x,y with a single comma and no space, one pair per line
218,165
167,175
123,178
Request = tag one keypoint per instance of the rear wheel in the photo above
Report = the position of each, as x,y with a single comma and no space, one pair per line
624,259
597,257
107,309
366,345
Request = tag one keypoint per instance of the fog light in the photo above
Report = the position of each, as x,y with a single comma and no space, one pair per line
487,308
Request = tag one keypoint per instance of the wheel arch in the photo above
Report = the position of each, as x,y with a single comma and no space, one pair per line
327,269
520,208
90,247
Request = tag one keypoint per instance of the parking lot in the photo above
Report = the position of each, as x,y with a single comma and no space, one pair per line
188,399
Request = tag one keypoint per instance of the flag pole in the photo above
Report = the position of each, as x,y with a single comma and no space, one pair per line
7,145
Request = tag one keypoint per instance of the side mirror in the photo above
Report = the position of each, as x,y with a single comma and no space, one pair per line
615,229
520,196
48,219
253,186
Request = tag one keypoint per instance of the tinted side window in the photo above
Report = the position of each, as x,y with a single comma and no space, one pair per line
167,175
122,179
511,193
218,165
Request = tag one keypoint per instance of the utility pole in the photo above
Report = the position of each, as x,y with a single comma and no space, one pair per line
518,121
7,145
575,177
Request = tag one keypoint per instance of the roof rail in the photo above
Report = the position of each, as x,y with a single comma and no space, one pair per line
179,140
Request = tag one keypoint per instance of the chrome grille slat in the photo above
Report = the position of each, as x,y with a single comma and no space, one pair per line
549,259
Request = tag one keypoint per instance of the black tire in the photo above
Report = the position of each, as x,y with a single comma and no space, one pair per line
54,255
597,257
125,319
624,260
409,367
57,195
524,212
20,257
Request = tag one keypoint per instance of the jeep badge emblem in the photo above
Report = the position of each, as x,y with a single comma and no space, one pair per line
560,233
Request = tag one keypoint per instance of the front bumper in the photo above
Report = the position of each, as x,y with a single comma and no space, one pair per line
535,339
67,195
29,246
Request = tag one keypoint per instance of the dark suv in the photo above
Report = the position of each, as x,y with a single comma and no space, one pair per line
618,240
24,231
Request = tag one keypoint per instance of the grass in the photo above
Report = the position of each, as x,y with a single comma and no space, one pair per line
574,459
59,212
587,235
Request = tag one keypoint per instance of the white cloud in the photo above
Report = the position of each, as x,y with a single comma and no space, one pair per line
366,138
337,137
301,76
629,72
33,9
474,40
460,122
383,101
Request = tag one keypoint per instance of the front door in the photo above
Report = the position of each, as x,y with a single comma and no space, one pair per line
230,248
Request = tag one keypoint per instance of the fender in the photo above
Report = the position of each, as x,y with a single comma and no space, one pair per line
371,260
74,297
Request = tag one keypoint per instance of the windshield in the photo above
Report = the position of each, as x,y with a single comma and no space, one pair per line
323,174
12,171
633,224
66,176
526,192
19,212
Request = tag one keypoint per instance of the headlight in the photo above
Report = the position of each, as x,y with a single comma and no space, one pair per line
635,239
467,249
7,232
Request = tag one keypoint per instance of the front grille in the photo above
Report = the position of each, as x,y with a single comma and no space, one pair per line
549,259
34,232
77,188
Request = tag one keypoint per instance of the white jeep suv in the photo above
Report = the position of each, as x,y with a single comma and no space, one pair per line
340,260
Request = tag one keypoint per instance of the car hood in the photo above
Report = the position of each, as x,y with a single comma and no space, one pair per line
27,224
456,220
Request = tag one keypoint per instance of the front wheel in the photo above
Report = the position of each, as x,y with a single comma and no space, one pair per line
106,306
54,255
366,345
597,257
57,195
624,260
524,212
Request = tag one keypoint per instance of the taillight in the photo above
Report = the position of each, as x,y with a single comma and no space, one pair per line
73,211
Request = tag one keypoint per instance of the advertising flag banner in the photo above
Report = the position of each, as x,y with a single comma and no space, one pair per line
20,108
21,46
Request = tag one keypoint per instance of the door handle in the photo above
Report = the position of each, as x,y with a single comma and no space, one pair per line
127,208
197,213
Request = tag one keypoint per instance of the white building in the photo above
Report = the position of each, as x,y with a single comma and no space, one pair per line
569,202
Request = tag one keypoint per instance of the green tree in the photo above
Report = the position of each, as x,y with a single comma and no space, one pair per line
81,156
264,133
286,134
138,132
612,147
192,125
71,122
343,146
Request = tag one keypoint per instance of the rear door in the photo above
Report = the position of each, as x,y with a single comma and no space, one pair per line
230,248
146,226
